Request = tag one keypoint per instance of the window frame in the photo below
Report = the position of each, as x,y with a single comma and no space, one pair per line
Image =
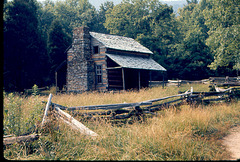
96,50
99,79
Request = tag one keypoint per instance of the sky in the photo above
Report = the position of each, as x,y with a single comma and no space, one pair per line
97,3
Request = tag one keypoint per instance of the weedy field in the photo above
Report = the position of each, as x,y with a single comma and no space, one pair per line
179,133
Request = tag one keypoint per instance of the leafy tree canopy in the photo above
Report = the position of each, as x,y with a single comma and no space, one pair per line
223,21
202,41
23,45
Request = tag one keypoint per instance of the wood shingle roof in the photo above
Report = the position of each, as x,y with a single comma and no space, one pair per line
134,62
120,43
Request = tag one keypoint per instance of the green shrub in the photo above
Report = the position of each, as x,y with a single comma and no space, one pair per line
35,90
12,114
21,114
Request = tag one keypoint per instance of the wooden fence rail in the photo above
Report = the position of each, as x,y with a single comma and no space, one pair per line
106,107
123,110
74,123
127,110
114,110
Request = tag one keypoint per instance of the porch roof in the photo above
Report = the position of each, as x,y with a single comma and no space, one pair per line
136,62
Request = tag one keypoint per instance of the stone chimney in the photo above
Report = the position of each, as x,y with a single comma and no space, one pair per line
80,67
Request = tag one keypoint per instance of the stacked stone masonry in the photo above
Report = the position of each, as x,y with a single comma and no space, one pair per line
80,67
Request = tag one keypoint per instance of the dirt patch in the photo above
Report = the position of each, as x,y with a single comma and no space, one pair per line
232,143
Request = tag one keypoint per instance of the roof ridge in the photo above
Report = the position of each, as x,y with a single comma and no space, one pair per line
112,35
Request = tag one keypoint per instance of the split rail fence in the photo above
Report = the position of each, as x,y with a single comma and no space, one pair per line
123,111
138,110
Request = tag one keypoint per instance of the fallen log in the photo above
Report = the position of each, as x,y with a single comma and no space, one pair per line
82,128
20,139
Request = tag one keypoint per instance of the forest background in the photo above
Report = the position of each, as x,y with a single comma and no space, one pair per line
201,41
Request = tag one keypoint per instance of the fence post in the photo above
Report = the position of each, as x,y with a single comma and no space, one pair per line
178,83
46,109
139,112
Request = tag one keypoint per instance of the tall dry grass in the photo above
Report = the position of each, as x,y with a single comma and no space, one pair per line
184,133
98,98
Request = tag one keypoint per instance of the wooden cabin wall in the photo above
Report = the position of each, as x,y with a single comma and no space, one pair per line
100,59
95,42
115,81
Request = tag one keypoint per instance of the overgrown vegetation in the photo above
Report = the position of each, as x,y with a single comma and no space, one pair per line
202,41
179,133
21,114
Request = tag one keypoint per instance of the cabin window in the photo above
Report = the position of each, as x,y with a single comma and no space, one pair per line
99,73
95,49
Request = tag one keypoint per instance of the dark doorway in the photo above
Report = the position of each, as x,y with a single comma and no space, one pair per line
134,77
60,75
131,78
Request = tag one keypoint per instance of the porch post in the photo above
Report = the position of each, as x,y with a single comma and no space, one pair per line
56,80
163,78
123,79
139,81
150,78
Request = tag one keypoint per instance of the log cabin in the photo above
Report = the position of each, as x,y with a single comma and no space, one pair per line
105,62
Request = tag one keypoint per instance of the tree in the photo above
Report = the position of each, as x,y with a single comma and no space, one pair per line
222,19
108,5
189,58
192,19
46,17
192,1
58,42
72,13
120,20
75,13
23,50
